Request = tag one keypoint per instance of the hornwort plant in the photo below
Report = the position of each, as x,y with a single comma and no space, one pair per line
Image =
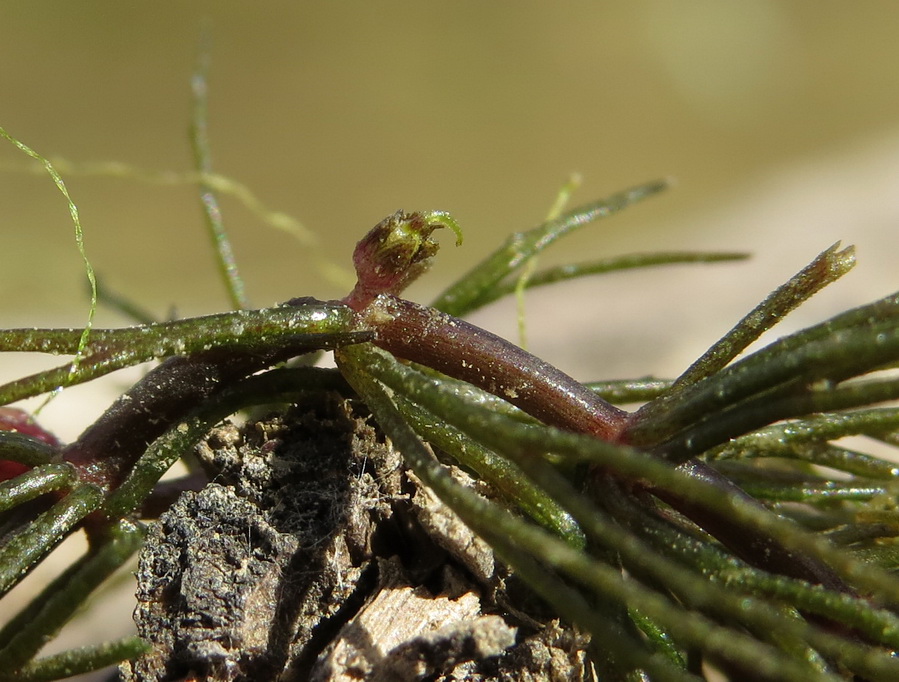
720,525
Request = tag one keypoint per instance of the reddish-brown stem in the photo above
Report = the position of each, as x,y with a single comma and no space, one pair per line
464,351
106,451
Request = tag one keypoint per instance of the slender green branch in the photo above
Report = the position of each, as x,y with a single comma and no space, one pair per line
811,492
222,184
792,400
629,390
80,661
521,280
504,476
807,439
659,638
79,233
199,136
183,336
26,634
577,270
19,447
851,344
829,266
468,292
40,480
734,575
306,326
31,544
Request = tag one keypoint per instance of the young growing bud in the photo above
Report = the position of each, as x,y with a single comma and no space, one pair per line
395,252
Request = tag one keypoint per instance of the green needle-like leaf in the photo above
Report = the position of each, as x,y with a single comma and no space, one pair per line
563,273
825,269
26,634
308,326
35,482
83,660
31,544
470,291
851,344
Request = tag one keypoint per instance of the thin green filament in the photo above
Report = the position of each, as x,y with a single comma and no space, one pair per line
79,242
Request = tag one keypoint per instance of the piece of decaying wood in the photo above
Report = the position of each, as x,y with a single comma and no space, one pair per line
405,633
314,554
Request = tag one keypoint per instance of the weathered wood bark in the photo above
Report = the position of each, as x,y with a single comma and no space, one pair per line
314,555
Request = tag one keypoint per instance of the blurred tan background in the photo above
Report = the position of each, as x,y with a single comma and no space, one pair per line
779,121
